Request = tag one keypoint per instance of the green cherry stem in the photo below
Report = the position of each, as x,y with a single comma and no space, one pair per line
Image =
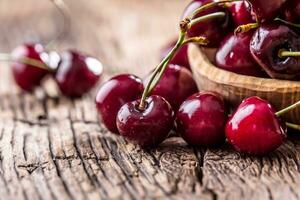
29,61
287,22
285,110
206,17
293,126
284,53
246,27
210,5
65,12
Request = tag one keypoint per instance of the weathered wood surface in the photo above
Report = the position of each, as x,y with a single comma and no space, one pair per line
54,148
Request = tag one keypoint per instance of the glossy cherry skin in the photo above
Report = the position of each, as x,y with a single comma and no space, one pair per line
113,94
241,13
27,76
201,120
214,30
234,55
254,128
268,40
180,58
292,11
149,127
175,86
77,73
266,9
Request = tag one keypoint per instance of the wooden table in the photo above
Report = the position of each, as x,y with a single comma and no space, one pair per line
55,148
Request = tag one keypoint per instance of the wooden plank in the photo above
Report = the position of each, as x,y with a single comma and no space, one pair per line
55,148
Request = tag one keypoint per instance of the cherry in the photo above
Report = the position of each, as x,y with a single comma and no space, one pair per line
266,9
254,128
268,45
234,55
201,120
180,58
113,94
292,11
215,29
148,127
175,85
25,75
77,74
241,13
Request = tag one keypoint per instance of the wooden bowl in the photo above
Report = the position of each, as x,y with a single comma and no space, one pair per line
234,87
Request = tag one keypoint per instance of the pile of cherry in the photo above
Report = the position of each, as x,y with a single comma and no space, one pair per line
74,72
254,37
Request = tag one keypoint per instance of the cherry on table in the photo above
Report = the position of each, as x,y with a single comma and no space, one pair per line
148,127
181,56
113,94
77,73
214,30
269,40
201,120
175,86
254,128
234,55
28,76
265,10
241,13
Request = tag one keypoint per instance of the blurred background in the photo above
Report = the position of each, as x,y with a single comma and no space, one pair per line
126,35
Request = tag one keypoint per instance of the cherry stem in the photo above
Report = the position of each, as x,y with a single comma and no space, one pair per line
65,12
210,5
285,110
293,126
207,17
25,60
246,27
160,69
284,53
288,23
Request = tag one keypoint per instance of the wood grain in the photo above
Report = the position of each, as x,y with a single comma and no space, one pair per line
55,148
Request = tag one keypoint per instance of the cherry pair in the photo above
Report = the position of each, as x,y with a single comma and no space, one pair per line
74,72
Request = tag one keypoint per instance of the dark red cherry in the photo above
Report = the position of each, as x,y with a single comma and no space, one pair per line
214,30
201,120
254,128
77,73
27,76
266,9
234,55
148,127
292,11
113,94
180,58
266,44
241,13
175,86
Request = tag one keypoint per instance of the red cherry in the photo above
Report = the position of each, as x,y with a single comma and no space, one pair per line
201,120
180,58
175,86
266,9
234,55
292,11
241,13
254,128
27,76
114,94
148,127
77,74
214,30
